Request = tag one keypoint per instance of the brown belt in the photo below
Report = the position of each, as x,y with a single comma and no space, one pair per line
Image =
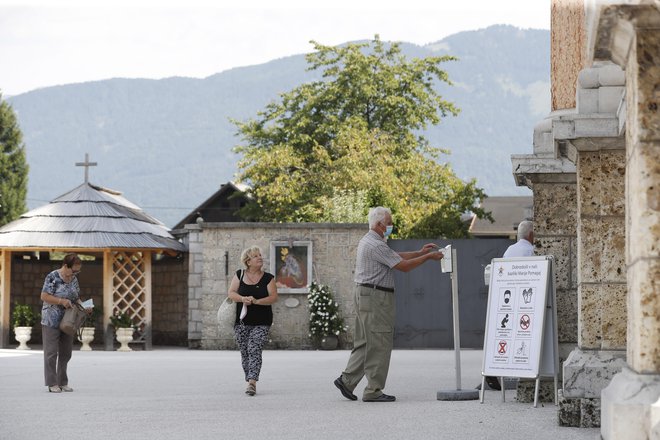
373,286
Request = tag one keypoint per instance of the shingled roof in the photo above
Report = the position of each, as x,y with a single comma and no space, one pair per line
89,217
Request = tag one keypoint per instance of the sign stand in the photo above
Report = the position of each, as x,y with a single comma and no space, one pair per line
521,323
448,264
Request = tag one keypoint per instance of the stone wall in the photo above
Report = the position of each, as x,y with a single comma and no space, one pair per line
568,51
215,250
555,230
601,249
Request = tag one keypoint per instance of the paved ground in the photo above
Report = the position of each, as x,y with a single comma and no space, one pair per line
173,393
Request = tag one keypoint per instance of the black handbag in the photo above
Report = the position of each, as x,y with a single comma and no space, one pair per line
73,319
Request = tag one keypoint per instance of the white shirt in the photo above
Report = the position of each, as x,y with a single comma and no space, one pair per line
522,248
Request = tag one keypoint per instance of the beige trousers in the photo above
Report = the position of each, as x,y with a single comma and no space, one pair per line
373,340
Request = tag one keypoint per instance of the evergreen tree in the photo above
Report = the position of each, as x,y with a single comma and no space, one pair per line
13,166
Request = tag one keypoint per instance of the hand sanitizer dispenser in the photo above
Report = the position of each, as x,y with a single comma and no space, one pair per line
446,263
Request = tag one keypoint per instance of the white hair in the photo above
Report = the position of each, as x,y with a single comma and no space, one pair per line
249,253
525,228
378,214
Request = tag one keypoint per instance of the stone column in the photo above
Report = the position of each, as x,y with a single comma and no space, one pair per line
552,179
195,243
630,35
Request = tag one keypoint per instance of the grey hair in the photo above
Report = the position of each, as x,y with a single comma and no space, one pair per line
525,228
378,214
249,253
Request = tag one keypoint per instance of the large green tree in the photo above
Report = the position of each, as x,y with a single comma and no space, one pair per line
13,166
330,149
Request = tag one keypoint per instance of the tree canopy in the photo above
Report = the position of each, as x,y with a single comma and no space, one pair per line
13,166
330,149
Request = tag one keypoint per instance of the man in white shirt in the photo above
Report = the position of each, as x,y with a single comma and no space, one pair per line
523,247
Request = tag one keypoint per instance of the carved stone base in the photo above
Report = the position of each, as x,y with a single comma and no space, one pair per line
525,390
586,373
578,413
629,403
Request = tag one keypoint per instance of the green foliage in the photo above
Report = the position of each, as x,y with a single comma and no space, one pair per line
23,316
324,317
330,149
121,320
92,319
13,166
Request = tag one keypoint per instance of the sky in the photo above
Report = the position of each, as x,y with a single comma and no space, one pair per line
45,43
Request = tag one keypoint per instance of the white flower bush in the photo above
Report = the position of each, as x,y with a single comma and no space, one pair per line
324,318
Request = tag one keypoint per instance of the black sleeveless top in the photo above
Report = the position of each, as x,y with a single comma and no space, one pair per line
257,314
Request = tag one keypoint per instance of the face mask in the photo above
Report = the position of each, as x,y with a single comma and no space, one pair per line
388,231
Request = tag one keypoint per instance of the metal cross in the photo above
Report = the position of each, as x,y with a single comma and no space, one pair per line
86,164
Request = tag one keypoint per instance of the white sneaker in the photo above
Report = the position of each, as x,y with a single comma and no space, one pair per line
66,388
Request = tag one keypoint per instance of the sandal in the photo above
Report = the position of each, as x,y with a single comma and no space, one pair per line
251,389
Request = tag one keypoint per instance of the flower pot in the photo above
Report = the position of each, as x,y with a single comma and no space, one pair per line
124,336
329,342
23,334
86,336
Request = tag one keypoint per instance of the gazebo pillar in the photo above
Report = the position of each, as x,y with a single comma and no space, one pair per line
5,285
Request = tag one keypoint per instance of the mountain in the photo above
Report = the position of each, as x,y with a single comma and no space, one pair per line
166,144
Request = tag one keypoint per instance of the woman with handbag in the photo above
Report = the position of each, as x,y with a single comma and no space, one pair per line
253,291
60,291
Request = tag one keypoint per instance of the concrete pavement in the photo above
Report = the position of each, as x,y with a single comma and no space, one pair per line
175,393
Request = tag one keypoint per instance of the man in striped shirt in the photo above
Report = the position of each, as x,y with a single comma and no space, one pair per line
374,302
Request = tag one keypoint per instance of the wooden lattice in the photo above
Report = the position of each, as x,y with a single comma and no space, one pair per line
130,290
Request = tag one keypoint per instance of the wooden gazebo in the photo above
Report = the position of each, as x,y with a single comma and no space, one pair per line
96,220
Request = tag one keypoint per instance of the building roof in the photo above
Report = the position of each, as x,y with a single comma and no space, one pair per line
89,217
216,208
507,212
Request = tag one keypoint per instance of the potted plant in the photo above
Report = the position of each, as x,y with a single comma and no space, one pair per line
23,318
124,328
88,329
325,323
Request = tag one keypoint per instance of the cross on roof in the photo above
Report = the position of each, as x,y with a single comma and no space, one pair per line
86,164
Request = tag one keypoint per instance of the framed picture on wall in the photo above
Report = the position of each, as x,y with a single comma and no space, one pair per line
291,264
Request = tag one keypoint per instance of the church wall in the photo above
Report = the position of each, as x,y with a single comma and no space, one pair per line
333,249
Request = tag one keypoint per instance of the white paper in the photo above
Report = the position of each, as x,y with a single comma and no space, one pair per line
88,304
243,311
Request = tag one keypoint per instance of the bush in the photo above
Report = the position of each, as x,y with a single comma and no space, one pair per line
324,318
122,320
23,316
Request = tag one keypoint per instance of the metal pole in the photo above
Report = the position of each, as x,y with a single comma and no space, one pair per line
457,394
457,332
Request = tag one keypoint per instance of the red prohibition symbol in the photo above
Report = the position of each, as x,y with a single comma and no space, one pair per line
502,347
525,322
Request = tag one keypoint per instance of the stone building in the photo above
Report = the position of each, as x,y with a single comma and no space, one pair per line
594,173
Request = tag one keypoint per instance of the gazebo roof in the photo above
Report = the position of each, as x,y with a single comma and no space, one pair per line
89,217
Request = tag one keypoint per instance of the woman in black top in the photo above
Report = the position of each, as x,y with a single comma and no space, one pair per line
253,291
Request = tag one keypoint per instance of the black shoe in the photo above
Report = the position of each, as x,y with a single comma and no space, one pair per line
382,398
344,391
493,382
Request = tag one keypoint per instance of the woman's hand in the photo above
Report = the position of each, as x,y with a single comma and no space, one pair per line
248,300
65,303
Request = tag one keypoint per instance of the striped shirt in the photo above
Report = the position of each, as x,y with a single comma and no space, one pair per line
375,260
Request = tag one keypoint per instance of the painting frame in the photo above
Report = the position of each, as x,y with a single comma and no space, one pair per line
291,265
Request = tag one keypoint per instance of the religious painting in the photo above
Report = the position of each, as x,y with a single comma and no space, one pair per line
291,264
